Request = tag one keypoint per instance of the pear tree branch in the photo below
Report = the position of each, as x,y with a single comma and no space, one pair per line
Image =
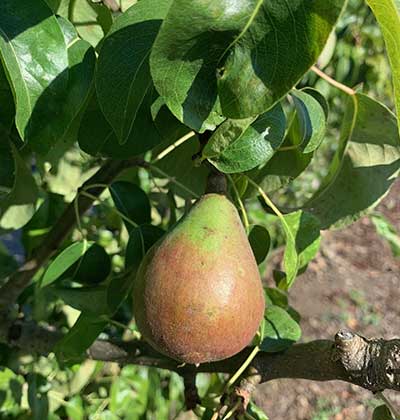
371,364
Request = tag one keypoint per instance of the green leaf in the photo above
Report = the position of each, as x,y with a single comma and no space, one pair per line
91,300
274,296
75,409
364,167
37,396
179,165
387,13
38,75
131,201
18,207
7,108
92,268
256,412
49,211
140,241
280,330
7,169
260,242
7,263
306,228
97,138
245,56
382,413
387,231
71,348
123,74
249,145
10,392
63,261
310,121
54,136
91,20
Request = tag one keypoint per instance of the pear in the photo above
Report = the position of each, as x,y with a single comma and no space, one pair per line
198,295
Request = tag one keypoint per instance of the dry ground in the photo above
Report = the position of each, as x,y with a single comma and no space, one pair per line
353,283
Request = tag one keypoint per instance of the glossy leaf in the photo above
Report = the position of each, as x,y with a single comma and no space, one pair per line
123,74
55,136
280,330
260,242
365,166
252,146
244,55
33,51
19,206
71,348
131,201
310,121
63,261
387,13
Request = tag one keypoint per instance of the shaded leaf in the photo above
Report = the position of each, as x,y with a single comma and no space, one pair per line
97,138
131,201
382,413
260,242
280,330
246,56
364,167
37,396
91,300
123,73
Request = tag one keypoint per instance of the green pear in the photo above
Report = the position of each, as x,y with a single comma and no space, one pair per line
198,295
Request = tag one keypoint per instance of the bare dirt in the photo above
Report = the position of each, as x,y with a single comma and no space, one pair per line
354,284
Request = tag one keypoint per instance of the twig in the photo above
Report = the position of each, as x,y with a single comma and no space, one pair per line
332,81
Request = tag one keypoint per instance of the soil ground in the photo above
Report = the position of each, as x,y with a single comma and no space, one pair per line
354,284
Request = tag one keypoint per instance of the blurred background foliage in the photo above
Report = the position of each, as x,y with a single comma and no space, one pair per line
40,388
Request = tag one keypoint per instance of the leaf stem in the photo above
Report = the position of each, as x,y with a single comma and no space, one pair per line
266,198
333,82
242,368
241,205
173,146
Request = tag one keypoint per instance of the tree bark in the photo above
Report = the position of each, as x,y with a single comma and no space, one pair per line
370,364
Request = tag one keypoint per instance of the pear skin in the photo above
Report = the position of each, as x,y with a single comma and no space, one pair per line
198,295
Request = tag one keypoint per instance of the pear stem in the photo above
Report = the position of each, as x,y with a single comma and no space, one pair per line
216,182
